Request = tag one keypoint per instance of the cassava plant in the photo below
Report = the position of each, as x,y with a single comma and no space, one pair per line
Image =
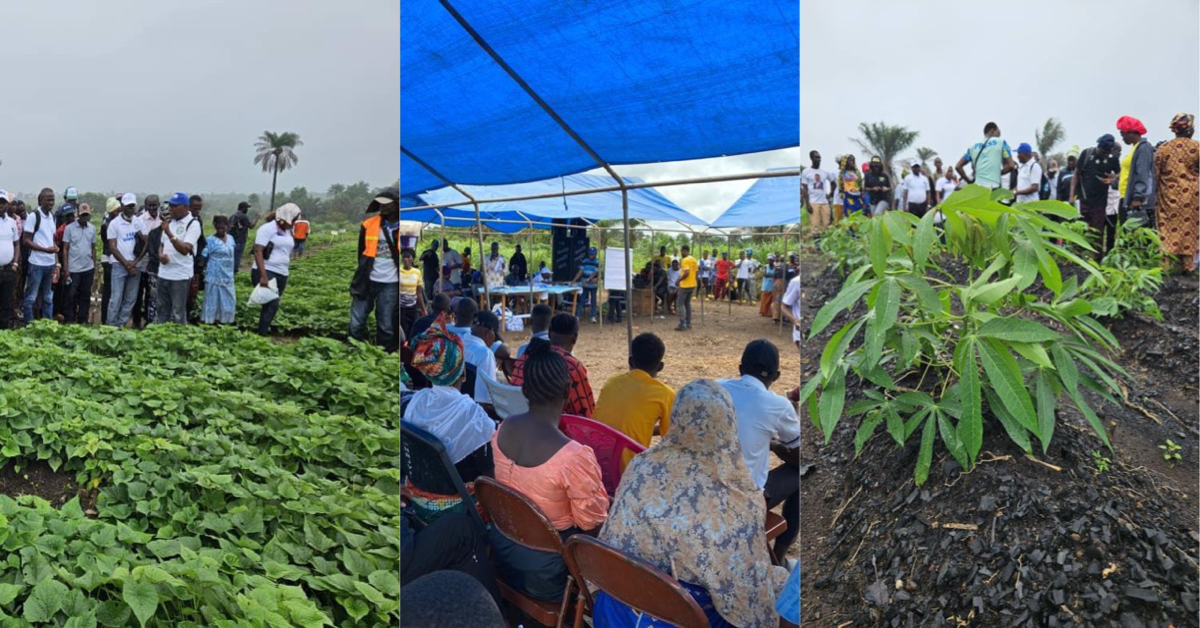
944,350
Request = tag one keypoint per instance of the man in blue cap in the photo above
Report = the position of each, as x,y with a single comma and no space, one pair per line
176,261
1095,172
589,279
1029,175
70,206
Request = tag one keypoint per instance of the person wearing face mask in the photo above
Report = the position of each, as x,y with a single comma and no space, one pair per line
176,263
273,244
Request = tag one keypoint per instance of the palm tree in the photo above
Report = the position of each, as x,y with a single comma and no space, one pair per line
1051,134
886,141
275,151
924,154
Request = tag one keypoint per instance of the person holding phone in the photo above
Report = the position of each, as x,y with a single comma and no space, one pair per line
1095,172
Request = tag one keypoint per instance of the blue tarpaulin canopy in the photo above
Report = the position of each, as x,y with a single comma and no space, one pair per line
644,203
637,81
772,202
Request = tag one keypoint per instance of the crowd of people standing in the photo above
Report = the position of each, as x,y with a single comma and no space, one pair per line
1155,183
152,265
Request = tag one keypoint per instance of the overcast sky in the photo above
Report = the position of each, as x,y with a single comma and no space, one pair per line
947,68
145,95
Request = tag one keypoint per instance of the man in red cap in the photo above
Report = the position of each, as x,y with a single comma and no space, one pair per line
1137,171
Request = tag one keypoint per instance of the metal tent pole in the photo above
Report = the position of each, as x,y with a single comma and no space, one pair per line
729,254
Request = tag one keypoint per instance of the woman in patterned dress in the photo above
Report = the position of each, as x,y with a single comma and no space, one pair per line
220,300
689,506
1177,184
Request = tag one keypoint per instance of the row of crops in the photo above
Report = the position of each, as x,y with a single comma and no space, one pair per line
237,480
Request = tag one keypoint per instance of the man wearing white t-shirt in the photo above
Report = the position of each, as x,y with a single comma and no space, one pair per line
10,238
144,305
39,239
1029,175
946,186
273,264
915,191
814,192
124,232
176,261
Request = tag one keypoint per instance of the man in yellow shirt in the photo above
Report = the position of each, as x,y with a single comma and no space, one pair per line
634,403
689,269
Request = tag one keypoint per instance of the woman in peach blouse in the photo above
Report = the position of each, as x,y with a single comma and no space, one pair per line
556,473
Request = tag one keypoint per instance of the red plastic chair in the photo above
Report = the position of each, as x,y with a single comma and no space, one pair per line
609,445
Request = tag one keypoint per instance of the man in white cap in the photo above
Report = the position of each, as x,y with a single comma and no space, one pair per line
914,191
124,232
10,241
376,283
273,244
39,239
79,266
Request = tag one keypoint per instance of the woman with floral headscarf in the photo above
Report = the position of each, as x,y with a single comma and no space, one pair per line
445,412
689,506
1177,175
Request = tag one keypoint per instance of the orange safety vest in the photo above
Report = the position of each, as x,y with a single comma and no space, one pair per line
300,230
371,225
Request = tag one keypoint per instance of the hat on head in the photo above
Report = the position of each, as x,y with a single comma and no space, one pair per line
128,198
72,194
876,160
111,204
1106,141
591,250
243,205
177,199
1129,124
914,164
288,213
385,197
1024,147
85,210
5,195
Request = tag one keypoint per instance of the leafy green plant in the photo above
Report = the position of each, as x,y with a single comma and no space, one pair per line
844,243
1100,461
239,481
944,349
1124,288
1135,246
1171,452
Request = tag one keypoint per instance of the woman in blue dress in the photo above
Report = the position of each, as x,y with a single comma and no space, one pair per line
220,300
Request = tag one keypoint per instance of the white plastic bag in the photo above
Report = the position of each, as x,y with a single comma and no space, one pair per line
511,322
263,296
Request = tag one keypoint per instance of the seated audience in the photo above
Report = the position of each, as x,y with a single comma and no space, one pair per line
559,475
688,506
475,350
635,403
486,327
448,598
460,423
539,325
767,422
564,333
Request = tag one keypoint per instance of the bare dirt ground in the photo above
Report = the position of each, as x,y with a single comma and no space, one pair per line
713,349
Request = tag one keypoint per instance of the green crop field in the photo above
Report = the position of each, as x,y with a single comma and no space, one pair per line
237,481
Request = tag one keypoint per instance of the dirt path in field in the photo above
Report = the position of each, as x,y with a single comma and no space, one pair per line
1039,545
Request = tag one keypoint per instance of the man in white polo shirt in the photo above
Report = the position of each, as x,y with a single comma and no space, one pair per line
176,261
767,422
915,191
10,238
39,239
124,231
